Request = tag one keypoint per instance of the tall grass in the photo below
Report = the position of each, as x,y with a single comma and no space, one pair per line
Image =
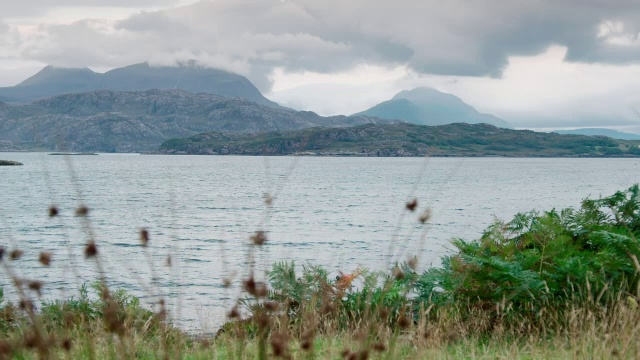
556,284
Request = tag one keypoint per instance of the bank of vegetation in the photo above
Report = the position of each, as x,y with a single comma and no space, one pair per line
404,139
555,284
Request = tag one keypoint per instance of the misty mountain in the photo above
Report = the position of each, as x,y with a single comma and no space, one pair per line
52,81
427,106
614,134
140,121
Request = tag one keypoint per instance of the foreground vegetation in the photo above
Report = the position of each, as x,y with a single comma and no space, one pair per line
557,284
405,140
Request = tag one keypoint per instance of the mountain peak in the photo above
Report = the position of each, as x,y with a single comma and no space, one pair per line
428,106
52,81
51,73
419,91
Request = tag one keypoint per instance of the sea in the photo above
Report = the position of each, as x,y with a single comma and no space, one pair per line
201,212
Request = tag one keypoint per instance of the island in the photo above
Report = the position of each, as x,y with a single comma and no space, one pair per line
83,153
404,139
10,163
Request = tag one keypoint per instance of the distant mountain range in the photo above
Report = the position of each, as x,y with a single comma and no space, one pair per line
427,106
140,121
404,139
614,134
52,81
138,107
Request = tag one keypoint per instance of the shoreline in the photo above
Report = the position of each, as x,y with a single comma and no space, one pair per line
340,155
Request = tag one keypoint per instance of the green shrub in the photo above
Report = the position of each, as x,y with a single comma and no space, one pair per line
587,256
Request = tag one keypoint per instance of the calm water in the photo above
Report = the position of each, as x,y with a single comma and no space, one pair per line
200,210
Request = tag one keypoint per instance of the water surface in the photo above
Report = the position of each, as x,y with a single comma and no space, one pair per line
201,210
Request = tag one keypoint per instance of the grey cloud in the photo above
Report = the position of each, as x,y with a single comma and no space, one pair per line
4,28
454,37
24,8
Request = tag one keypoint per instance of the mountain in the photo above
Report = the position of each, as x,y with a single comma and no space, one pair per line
427,106
52,81
121,121
404,139
614,134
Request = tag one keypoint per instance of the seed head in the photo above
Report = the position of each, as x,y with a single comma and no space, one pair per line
66,345
250,285
35,286
1,253
53,211
262,320
413,262
384,313
144,237
403,321
379,347
307,340
114,322
26,305
259,237
32,341
425,216
615,352
233,314
168,262
82,211
271,306
45,258
398,273
91,249
306,345
268,199
257,289
16,254
279,344
411,206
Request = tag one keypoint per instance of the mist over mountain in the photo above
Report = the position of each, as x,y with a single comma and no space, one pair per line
614,134
119,121
51,81
427,106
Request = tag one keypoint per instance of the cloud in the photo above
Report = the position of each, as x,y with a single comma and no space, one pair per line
534,91
28,8
454,37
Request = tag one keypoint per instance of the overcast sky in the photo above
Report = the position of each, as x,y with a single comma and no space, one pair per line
535,63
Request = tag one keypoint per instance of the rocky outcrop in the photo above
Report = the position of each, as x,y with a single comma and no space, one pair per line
9,163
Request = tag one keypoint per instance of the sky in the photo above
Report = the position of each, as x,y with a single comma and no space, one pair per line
537,64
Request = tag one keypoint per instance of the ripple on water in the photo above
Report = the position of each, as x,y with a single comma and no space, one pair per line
337,212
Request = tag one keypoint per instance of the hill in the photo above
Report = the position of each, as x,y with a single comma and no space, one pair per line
404,139
614,134
427,106
52,81
119,121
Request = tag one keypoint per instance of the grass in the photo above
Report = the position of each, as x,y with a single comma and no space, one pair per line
557,284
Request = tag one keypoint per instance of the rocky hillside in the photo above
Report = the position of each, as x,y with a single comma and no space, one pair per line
140,121
427,106
403,140
52,81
